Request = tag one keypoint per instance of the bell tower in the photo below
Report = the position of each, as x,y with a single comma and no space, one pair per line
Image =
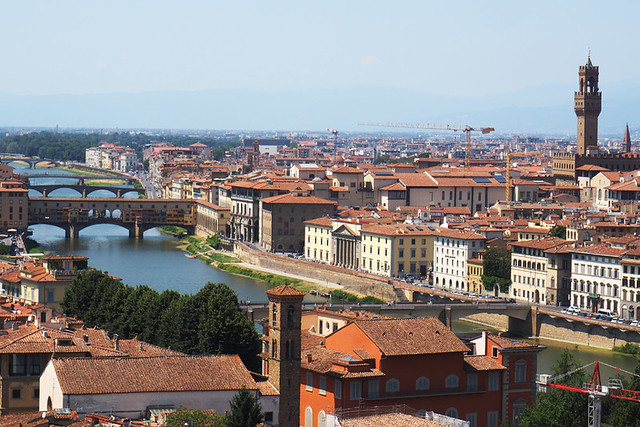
587,104
285,327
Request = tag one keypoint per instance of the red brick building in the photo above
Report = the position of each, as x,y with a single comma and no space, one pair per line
416,362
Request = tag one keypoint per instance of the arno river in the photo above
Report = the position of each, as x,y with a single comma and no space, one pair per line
157,262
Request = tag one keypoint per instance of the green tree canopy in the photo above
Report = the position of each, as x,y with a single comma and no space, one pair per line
558,231
194,418
560,408
496,267
208,322
245,410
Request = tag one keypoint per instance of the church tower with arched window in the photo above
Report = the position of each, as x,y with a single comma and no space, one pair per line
587,103
285,319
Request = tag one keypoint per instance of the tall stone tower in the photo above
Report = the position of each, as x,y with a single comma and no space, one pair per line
285,319
587,105
626,140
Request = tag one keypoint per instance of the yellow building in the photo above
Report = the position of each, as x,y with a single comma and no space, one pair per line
397,249
475,270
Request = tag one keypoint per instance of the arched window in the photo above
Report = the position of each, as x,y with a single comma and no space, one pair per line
392,386
451,381
274,348
452,412
308,417
322,419
521,371
422,383
275,315
290,311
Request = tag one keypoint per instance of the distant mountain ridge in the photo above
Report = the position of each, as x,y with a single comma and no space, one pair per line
543,110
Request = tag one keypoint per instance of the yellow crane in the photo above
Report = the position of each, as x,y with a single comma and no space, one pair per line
466,129
508,174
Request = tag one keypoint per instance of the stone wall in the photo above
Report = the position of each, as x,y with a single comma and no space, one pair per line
352,281
580,333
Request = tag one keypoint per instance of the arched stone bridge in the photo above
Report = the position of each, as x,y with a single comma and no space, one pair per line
136,215
85,190
80,178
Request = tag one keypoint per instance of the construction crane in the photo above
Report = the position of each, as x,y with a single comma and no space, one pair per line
594,389
466,129
508,174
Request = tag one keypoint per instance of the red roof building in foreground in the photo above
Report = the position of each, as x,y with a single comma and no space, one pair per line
416,362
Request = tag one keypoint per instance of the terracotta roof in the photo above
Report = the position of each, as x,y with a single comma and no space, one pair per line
285,290
290,199
347,169
267,389
546,243
459,234
396,186
89,375
510,343
481,363
389,420
425,335
416,180
591,168
324,222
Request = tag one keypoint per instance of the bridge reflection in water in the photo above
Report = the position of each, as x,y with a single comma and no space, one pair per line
136,215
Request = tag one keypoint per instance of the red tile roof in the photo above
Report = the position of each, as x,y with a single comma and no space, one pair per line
285,290
86,375
424,335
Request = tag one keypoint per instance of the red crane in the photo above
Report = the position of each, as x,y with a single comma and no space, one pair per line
595,389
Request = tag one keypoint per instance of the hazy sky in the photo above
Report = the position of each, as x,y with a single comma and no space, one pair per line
458,48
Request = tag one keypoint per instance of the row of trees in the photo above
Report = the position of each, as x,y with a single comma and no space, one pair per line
209,322
496,267
72,146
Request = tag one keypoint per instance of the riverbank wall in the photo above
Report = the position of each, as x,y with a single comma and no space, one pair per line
549,324
352,281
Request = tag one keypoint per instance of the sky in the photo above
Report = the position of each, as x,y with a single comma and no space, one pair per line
453,49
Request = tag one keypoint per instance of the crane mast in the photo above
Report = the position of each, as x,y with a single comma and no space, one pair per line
466,129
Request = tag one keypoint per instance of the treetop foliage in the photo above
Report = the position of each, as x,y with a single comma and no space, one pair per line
209,322
72,146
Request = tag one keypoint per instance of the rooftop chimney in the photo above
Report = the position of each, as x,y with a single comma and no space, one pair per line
116,343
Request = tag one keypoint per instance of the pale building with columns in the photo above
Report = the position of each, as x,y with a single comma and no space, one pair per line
335,242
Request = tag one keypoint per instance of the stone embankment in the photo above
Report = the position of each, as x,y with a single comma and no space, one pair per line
352,281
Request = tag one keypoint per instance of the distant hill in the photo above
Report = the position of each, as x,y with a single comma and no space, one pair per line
544,110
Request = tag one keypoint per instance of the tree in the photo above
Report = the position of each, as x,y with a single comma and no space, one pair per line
559,408
223,326
214,240
496,267
558,231
193,417
625,412
245,410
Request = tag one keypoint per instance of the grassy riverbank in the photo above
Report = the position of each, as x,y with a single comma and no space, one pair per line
204,251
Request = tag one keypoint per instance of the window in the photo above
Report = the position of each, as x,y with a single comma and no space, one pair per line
323,385
322,419
494,381
309,381
494,352
355,390
451,381
492,419
51,296
392,386
36,393
422,383
268,416
35,365
472,382
337,389
15,393
308,417
452,412
472,418
521,371
18,365
374,389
